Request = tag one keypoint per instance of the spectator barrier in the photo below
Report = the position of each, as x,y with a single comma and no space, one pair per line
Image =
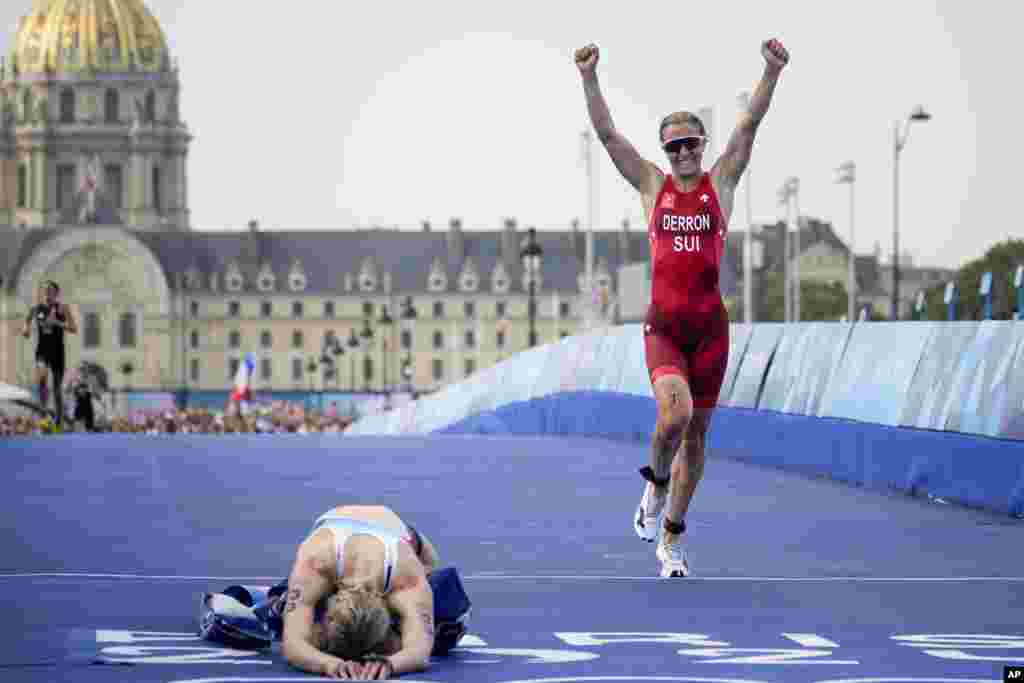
929,408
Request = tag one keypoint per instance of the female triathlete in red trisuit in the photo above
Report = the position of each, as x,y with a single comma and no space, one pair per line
686,331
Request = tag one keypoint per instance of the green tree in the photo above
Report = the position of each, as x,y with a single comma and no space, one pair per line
1002,260
818,300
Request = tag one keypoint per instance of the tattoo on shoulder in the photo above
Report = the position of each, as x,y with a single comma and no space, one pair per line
292,600
426,615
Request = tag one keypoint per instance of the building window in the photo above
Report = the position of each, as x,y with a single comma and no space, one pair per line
114,176
234,309
438,369
91,332
406,340
296,309
266,340
328,309
22,186
266,369
297,340
469,308
470,366
194,309
65,198
194,340
563,334
233,365
563,309
111,107
150,107
266,309
234,339
194,369
296,369
126,331
499,309
158,202
438,340
499,339
67,106
470,339
367,369
367,309
438,309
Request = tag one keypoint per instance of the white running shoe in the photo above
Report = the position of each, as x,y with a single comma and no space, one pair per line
647,520
673,558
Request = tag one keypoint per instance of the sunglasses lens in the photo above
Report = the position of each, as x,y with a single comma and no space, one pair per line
691,143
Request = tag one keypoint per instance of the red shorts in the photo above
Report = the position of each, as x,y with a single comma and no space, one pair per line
701,359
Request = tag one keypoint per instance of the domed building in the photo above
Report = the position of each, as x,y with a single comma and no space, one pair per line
90,131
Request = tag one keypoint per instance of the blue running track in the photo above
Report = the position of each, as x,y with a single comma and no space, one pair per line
110,539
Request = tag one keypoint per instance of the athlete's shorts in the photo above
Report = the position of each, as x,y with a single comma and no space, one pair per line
701,359
52,361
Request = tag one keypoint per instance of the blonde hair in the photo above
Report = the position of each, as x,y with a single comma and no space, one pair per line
356,623
680,118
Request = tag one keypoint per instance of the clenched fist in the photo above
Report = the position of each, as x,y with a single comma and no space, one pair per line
774,53
586,58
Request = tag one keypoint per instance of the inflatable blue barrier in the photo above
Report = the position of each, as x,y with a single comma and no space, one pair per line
919,407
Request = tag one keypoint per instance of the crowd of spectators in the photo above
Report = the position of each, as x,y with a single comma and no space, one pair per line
271,418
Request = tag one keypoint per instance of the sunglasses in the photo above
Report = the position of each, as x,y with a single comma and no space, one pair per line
690,142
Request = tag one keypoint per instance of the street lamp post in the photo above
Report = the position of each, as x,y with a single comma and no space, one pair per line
899,141
367,338
748,256
788,194
409,315
311,369
386,343
353,345
531,256
848,175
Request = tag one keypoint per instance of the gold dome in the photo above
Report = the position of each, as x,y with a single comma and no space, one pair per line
98,35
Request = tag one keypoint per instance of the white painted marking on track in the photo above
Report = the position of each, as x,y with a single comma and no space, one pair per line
634,679
913,680
811,640
560,577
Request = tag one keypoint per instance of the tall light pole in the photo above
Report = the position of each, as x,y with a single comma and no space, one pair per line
386,343
353,346
367,339
899,141
409,316
748,255
591,170
787,197
848,175
531,256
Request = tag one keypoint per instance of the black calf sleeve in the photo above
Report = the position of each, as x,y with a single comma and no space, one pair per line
648,474
674,528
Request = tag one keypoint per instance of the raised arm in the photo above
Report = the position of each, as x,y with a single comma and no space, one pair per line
734,159
71,326
308,584
640,173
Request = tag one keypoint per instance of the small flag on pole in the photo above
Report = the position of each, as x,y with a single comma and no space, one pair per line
243,389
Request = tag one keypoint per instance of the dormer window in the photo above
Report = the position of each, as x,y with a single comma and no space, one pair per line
266,282
469,283
367,283
234,282
192,279
297,282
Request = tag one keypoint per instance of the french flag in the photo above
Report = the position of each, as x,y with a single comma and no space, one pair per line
243,392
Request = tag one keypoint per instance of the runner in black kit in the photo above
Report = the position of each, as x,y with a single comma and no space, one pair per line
52,319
